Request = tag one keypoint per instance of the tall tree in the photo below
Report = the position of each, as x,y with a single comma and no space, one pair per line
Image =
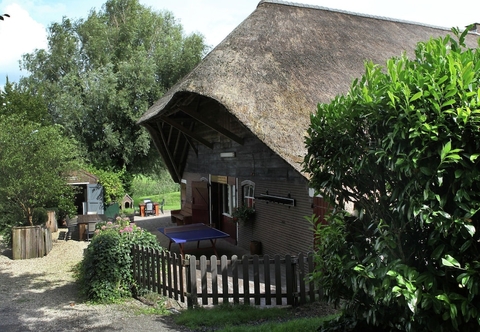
23,103
403,146
99,75
34,163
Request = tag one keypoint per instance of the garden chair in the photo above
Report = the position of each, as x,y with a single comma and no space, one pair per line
72,227
90,230
149,209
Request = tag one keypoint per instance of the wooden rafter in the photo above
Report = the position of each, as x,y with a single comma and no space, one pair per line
161,147
168,153
190,143
213,125
187,132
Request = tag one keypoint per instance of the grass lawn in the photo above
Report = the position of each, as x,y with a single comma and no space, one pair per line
250,318
172,200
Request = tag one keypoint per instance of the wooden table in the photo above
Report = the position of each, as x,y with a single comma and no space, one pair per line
84,220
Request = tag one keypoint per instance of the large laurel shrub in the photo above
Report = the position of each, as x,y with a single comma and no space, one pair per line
402,146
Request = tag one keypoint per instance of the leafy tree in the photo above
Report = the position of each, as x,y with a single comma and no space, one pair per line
33,162
112,183
403,148
22,102
99,75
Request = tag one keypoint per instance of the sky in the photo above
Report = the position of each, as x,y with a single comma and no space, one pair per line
26,28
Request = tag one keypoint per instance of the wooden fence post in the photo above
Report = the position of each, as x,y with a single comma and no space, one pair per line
203,278
224,272
256,279
246,279
290,279
236,298
302,279
278,281
266,275
191,275
148,254
178,261
134,263
214,274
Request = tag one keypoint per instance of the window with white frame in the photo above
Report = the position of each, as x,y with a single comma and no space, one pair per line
229,198
248,193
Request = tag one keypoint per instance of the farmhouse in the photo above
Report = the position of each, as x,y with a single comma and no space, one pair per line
232,131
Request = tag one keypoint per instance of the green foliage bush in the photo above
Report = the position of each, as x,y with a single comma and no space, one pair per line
143,185
403,148
112,182
10,216
40,216
105,273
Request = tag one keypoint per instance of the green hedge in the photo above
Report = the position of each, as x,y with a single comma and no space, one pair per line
105,273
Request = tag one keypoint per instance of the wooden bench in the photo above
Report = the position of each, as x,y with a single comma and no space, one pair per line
182,216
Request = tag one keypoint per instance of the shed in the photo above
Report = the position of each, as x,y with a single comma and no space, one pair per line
89,196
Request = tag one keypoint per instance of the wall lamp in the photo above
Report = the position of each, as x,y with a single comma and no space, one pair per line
227,154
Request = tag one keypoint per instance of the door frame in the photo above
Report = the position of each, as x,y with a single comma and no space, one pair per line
224,221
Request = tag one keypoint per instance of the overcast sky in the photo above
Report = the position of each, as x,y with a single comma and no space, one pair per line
25,30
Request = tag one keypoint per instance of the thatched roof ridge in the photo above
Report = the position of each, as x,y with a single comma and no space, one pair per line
295,4
284,59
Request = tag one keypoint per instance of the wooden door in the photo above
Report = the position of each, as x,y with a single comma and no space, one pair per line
200,203
95,198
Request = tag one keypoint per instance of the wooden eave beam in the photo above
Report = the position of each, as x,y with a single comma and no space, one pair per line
190,143
187,132
188,140
171,157
212,125
162,148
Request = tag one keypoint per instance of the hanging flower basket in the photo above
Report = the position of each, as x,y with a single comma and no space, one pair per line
243,214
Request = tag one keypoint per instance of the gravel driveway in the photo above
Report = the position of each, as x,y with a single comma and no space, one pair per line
40,295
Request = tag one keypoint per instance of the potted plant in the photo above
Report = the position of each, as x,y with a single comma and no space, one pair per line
243,213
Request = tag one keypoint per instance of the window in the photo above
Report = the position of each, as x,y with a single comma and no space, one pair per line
248,193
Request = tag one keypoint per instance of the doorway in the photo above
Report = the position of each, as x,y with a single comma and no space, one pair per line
200,202
224,201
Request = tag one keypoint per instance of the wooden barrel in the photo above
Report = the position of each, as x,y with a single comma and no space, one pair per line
28,242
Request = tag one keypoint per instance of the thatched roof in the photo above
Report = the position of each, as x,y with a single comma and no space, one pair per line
284,59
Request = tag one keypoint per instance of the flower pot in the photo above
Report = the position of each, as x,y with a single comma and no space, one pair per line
255,248
28,242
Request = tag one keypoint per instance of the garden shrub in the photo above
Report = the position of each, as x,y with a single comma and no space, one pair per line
39,216
111,180
105,273
403,147
10,216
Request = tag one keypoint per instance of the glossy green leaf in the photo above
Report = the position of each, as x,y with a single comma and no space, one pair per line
449,261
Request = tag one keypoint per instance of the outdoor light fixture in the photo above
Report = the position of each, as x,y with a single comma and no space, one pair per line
227,154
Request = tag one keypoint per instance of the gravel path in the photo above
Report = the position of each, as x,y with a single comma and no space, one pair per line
40,295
